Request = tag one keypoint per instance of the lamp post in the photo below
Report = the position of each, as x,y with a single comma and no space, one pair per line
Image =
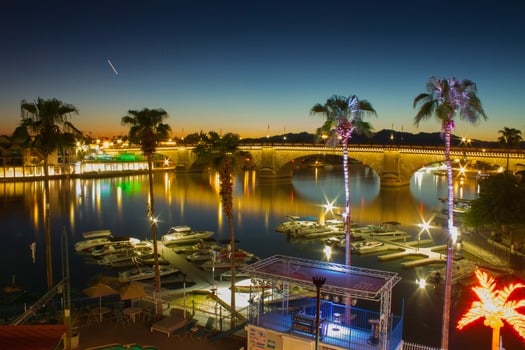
318,282
67,292
184,292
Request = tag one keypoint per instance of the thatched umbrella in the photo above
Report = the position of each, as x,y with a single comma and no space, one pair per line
99,290
132,291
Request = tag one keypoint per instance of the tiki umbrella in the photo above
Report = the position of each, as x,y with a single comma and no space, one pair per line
99,290
132,291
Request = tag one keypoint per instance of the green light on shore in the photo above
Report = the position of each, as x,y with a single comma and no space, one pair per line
127,157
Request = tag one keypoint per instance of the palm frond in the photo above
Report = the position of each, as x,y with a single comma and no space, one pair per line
447,97
146,128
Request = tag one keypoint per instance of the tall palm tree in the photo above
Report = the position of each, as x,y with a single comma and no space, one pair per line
220,151
146,129
495,307
445,98
344,116
509,138
43,124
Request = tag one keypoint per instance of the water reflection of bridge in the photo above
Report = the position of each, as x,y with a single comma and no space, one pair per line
394,165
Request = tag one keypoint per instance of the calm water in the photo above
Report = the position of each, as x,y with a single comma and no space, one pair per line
119,204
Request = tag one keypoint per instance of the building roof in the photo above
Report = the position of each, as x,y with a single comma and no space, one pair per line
31,337
340,279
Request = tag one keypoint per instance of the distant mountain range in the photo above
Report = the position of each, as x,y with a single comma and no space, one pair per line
383,137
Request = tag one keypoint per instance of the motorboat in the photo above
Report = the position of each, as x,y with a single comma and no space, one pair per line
115,246
362,247
199,257
200,247
96,234
184,235
144,273
340,241
226,254
92,240
88,245
115,259
142,247
149,259
295,224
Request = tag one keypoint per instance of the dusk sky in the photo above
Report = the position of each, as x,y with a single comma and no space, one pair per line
246,66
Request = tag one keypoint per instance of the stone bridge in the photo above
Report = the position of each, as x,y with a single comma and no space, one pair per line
394,165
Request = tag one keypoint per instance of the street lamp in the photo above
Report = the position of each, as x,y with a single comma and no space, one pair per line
318,282
184,292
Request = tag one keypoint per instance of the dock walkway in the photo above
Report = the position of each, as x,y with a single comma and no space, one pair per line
435,255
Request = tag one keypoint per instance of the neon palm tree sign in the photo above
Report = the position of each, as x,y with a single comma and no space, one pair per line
494,306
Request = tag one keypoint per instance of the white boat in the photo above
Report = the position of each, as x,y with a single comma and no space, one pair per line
90,244
362,247
116,258
199,257
144,273
115,246
201,247
142,247
296,224
184,235
124,255
96,234
340,241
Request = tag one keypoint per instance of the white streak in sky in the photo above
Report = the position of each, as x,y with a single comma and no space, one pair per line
112,67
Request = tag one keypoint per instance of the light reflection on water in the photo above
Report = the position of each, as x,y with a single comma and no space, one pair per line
119,204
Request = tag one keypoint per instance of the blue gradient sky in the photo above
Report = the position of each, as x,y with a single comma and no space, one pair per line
240,66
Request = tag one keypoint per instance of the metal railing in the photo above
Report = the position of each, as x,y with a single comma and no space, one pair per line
412,346
57,289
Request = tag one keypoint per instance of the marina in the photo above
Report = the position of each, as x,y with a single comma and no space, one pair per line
255,235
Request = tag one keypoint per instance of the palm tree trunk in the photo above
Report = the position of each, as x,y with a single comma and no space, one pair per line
347,220
232,268
47,226
450,247
225,175
495,338
346,171
153,224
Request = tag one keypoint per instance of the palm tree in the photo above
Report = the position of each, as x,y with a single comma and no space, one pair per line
146,129
494,307
444,99
509,138
344,116
220,150
43,126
